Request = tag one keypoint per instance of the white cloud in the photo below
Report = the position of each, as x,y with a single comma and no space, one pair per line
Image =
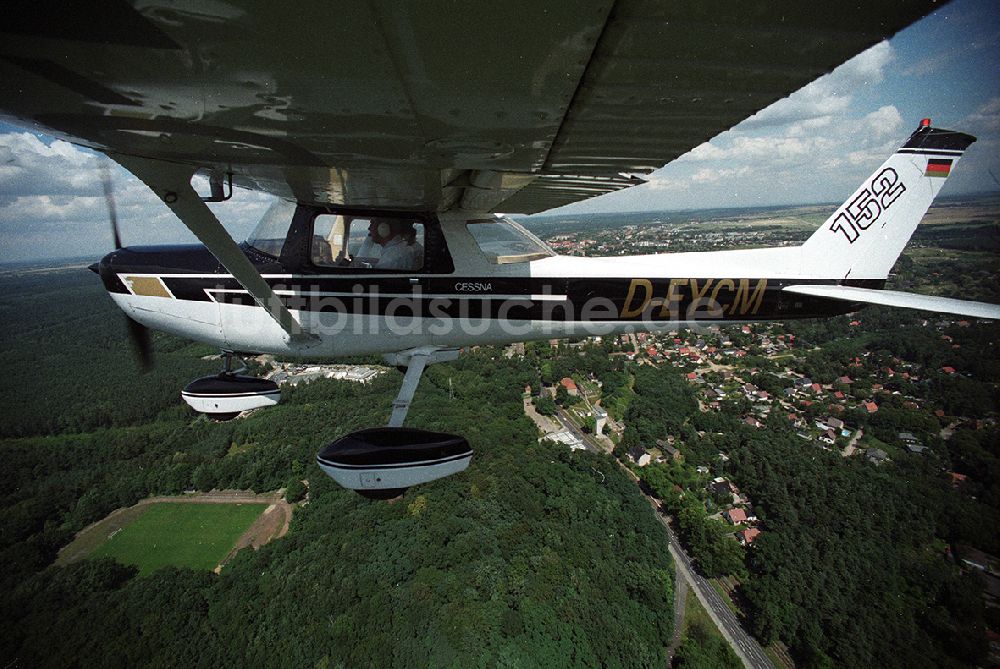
828,95
52,203
739,147
31,167
707,175
886,121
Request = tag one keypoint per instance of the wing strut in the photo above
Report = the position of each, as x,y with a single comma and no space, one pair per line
172,184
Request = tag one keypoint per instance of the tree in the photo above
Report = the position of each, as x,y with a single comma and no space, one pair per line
294,491
545,405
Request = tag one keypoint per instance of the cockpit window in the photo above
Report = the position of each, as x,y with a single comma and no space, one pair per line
367,242
504,241
270,233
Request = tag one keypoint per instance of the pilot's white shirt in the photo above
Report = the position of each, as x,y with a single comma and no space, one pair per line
397,254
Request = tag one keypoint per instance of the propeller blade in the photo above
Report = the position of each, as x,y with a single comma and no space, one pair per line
138,334
109,198
142,343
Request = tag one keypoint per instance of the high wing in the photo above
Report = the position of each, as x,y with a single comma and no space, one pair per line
516,106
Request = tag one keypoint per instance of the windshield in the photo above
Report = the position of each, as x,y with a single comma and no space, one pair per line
504,241
269,235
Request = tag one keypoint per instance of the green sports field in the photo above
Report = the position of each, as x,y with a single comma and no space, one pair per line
197,536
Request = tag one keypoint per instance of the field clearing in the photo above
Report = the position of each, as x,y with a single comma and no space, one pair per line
196,536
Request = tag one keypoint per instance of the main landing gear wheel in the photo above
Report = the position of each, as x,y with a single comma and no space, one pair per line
382,462
227,394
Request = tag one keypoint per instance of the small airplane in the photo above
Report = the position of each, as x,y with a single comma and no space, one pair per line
389,157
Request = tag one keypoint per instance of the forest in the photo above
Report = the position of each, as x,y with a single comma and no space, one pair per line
535,557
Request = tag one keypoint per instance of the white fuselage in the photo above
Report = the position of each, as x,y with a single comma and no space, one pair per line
369,329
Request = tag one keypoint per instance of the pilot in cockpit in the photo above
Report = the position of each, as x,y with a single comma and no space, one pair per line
399,246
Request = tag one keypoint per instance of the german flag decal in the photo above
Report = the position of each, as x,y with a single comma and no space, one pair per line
938,167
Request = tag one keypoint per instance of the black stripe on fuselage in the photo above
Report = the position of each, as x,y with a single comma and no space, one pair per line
571,299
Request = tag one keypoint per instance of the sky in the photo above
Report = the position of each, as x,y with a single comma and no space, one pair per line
815,146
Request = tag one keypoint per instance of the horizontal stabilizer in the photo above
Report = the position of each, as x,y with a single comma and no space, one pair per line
895,298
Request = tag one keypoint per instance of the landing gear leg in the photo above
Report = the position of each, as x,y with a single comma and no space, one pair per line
401,405
227,365
415,361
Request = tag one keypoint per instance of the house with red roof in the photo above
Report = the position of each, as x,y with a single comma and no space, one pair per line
870,407
948,370
748,535
569,385
735,516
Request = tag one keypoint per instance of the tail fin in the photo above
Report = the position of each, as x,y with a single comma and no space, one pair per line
865,236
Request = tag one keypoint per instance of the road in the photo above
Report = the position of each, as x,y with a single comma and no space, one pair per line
750,652
745,646
578,433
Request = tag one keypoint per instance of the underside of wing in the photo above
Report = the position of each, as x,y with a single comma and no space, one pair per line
894,298
510,106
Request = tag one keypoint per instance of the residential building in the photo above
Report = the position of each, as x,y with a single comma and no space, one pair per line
735,516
